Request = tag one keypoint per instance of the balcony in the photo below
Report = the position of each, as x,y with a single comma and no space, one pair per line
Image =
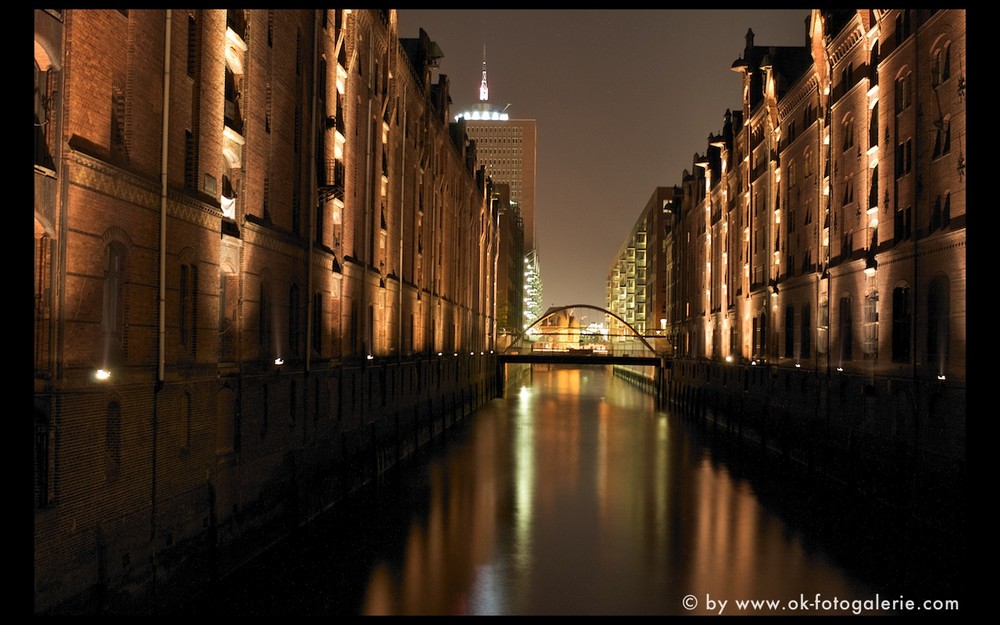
330,179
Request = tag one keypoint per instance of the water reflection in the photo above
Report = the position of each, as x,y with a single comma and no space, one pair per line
575,496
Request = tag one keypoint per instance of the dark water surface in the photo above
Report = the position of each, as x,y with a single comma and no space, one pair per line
574,495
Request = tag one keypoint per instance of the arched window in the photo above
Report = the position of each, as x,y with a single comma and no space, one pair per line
113,312
847,138
941,63
903,92
188,307
44,111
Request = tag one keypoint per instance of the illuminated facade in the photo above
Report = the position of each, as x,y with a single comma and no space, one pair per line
505,147
248,225
532,288
804,236
815,254
636,279
820,253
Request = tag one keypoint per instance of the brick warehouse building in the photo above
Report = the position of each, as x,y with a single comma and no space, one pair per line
816,262
264,272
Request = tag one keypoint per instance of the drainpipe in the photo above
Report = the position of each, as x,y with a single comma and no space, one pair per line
161,355
402,196
363,309
163,202
315,199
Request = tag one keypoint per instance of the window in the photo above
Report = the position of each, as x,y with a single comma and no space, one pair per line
846,334
847,139
873,65
848,192
942,137
113,316
902,26
871,324
873,189
44,110
904,158
188,307
847,77
873,127
904,92
317,323
938,333
227,316
941,64
822,326
902,227
902,324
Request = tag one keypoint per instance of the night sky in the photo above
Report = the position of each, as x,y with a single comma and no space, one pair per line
623,99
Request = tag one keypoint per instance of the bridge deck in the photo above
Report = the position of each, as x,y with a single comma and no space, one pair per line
568,358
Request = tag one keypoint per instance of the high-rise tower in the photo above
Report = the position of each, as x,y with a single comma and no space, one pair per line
506,147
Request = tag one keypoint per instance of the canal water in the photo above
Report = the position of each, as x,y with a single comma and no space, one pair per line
574,495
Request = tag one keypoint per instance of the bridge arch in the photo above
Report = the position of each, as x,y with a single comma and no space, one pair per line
558,309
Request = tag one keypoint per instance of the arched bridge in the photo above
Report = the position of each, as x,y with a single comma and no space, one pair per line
553,338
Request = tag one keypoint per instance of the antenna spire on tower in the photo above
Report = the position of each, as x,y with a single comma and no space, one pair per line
484,91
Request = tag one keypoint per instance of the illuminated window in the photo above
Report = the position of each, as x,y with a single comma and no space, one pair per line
871,324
